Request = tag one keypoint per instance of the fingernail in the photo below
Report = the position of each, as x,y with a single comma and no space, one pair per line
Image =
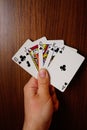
42,73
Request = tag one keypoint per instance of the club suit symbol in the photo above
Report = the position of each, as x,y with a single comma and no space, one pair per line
63,68
22,58
28,63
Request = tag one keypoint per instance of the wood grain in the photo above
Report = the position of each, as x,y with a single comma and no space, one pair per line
59,19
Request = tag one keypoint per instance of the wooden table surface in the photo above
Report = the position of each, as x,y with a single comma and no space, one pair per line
55,19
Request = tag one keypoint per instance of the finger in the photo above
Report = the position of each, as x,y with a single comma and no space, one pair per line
52,90
30,89
54,98
55,102
43,82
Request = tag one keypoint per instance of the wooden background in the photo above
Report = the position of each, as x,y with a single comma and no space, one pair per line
55,19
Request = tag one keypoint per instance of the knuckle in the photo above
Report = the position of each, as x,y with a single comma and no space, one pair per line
44,81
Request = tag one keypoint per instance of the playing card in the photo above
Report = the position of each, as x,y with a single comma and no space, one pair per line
34,51
27,56
56,48
42,49
52,47
46,53
24,59
72,49
61,61
63,68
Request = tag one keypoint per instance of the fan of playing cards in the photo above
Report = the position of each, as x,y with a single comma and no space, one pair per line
61,61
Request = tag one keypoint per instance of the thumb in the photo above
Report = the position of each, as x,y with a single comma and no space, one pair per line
43,82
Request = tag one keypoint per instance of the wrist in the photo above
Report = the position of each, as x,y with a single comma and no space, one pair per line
27,126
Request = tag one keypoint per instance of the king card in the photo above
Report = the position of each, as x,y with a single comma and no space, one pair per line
34,51
54,47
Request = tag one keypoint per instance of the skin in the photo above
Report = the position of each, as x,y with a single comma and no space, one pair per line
40,102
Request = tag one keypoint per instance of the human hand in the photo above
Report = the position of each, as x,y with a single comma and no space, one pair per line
40,102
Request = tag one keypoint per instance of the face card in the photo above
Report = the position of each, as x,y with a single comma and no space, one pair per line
42,49
34,51
63,68
58,47
24,60
34,54
54,47
47,55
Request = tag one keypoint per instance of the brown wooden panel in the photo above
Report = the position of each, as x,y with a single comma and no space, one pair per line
58,19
